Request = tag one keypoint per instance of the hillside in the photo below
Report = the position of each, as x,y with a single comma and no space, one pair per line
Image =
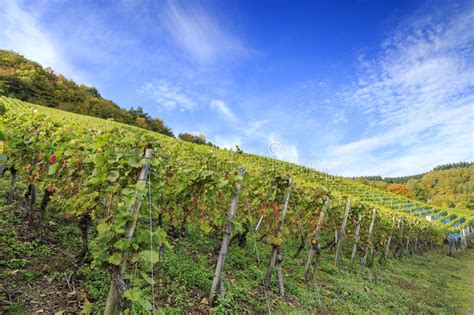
90,169
447,186
28,81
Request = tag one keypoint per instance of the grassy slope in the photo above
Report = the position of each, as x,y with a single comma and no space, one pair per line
470,289
34,267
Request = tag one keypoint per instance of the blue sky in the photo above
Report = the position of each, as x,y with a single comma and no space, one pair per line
347,87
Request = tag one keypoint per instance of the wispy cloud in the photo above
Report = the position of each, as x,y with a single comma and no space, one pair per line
21,32
418,96
223,110
281,149
201,35
253,127
340,117
168,96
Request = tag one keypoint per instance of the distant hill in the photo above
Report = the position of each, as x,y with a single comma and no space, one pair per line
449,185
28,81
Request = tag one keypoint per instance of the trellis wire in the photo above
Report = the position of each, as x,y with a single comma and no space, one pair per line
151,242
259,262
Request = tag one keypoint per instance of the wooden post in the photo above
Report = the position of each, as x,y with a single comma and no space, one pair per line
400,240
217,281
341,233
400,234
371,229
371,234
273,255
387,245
317,249
113,297
279,259
271,264
357,239
314,241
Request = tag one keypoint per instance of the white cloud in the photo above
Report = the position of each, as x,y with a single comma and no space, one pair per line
21,32
199,34
282,150
419,99
168,96
340,117
223,110
253,128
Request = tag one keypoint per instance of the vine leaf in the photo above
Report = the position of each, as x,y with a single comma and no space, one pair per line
149,256
115,258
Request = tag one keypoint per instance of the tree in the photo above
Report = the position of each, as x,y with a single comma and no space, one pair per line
398,189
199,139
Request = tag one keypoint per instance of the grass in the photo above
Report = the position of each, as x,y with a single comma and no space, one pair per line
34,266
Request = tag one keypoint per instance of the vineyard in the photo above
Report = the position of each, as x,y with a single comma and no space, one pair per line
133,194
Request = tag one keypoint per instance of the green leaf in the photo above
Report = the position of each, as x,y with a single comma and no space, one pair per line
122,244
135,295
113,176
222,184
52,169
115,259
102,228
149,256
206,228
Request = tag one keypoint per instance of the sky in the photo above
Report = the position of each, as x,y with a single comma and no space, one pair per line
347,87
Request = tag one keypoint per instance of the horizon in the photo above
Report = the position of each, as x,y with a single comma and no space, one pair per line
367,88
